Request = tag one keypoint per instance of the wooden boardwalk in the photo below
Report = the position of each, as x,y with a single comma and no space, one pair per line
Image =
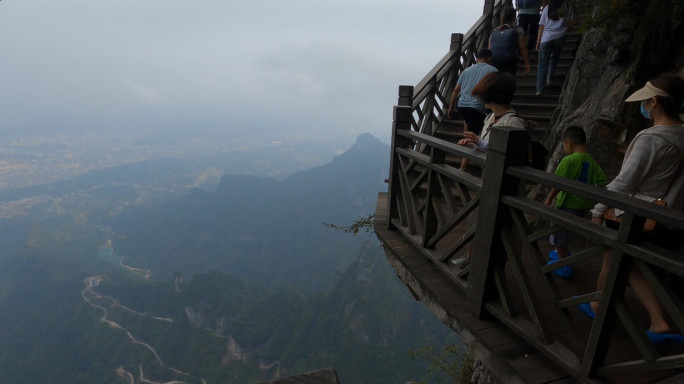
520,319
510,357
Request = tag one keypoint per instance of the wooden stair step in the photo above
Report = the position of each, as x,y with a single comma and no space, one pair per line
529,81
530,89
560,72
541,107
531,98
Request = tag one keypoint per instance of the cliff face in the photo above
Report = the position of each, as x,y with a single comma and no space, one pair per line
626,47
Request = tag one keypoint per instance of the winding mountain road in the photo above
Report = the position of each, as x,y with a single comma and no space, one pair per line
89,294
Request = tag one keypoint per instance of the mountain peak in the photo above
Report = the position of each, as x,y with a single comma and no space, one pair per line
366,147
366,140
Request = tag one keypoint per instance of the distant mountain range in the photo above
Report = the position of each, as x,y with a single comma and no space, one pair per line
247,285
263,229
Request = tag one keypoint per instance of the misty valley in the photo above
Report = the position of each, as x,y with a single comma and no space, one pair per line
206,269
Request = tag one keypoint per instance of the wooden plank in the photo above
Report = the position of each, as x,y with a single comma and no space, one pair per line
558,353
490,219
641,208
472,155
667,362
522,228
576,258
447,195
430,221
499,336
643,344
563,219
657,256
457,219
459,244
537,371
543,233
671,302
447,170
603,326
594,296
408,203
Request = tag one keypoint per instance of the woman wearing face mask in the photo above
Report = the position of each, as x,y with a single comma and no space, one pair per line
651,163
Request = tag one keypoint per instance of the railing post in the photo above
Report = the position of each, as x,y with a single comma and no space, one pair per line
456,42
401,120
429,109
614,288
488,7
495,14
506,148
405,95
455,70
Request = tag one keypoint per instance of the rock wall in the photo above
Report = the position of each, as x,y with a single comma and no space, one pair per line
624,48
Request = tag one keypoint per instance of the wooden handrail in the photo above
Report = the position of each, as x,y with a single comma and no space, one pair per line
481,25
638,207
443,212
429,97
477,157
432,200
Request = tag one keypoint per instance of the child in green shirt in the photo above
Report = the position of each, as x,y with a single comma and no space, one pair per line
577,165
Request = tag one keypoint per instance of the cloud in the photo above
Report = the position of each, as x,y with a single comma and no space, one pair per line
142,92
249,67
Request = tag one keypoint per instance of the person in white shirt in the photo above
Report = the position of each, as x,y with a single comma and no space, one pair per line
553,30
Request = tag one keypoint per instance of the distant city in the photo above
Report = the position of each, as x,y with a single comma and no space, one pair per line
40,160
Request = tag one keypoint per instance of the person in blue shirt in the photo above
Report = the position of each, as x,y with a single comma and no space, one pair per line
469,107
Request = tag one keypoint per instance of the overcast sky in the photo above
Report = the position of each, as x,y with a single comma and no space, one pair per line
266,68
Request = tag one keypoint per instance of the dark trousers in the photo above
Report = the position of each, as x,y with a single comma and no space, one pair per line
510,66
530,23
472,117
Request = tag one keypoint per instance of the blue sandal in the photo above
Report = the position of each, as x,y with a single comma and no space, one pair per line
564,272
553,254
586,309
665,338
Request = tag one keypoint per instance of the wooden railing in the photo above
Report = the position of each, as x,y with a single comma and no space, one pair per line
428,99
443,212
416,119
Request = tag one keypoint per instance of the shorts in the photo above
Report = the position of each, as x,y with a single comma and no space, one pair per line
509,66
562,238
472,117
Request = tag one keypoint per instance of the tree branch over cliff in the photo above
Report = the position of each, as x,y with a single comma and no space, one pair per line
363,224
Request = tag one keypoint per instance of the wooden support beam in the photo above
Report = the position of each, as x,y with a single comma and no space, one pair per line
505,149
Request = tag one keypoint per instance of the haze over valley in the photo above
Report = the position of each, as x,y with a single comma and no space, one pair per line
128,273
167,171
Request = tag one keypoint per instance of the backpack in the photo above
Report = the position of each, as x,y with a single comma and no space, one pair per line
527,3
504,44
